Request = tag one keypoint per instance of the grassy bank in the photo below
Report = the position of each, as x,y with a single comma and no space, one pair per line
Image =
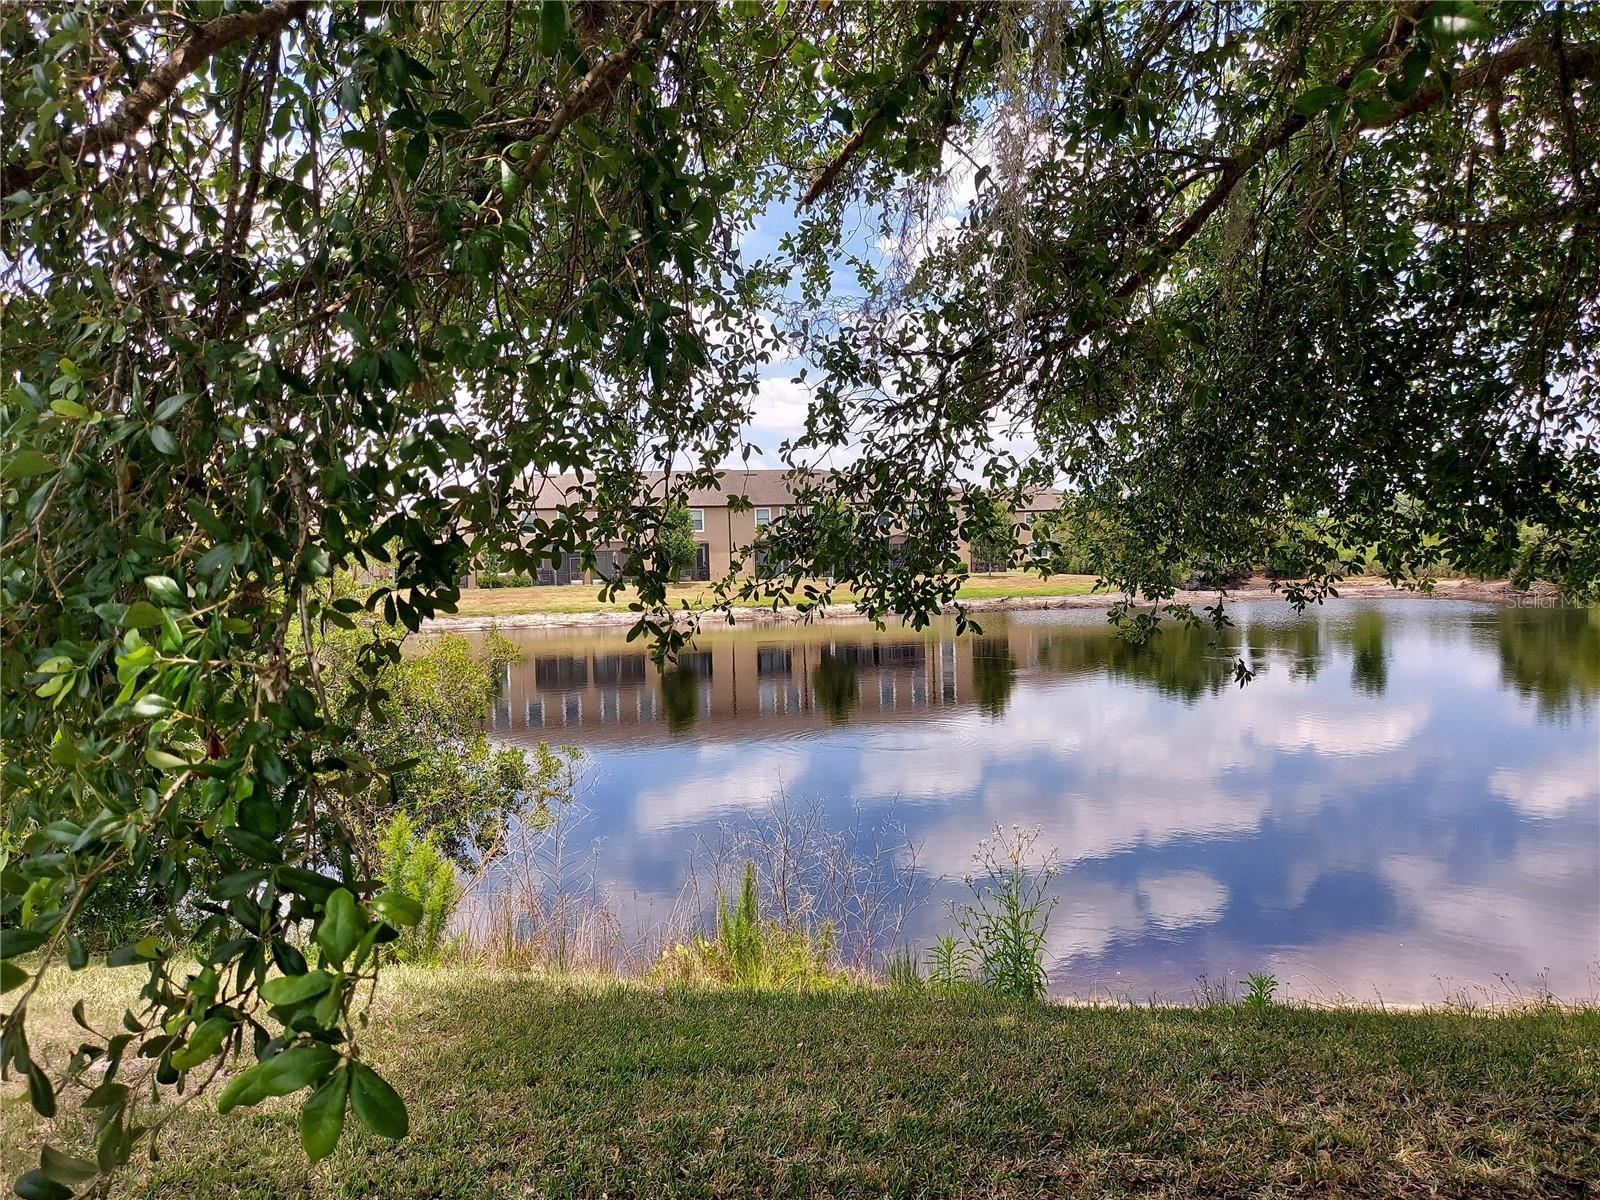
583,598
525,1087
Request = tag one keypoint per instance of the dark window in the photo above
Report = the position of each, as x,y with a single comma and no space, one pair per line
614,670
901,654
560,672
773,660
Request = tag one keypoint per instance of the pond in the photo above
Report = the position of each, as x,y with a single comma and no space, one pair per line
1403,805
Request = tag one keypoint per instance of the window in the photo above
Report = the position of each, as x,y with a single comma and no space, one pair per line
571,710
535,712
697,519
618,669
553,673
763,517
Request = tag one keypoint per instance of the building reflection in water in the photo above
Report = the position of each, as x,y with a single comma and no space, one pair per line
816,676
726,683
596,685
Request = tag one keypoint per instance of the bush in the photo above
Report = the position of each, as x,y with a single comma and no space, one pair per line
504,579
750,951
447,777
418,868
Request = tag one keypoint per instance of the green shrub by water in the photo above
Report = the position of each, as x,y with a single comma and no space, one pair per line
752,951
417,867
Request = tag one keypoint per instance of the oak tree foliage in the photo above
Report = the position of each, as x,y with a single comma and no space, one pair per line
297,292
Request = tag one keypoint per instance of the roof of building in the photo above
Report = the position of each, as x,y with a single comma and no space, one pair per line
762,487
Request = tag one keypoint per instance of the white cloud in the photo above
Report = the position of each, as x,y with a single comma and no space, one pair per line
726,778
1177,899
1554,788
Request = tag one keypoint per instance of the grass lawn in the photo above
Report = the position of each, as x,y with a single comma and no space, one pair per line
524,1087
582,597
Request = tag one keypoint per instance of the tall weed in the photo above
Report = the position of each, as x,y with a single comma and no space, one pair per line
1003,927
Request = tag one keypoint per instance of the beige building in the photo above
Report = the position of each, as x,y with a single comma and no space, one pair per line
724,534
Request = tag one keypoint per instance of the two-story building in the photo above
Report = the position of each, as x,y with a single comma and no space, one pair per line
724,533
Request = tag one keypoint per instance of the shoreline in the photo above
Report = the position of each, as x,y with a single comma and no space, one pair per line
1487,591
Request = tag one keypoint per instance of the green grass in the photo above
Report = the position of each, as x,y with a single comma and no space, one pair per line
583,597
526,1087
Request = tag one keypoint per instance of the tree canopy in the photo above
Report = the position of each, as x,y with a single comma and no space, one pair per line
299,292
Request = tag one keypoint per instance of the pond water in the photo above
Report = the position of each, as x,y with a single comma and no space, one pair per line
1404,804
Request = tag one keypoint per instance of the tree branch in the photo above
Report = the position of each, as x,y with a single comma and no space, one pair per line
157,88
1489,73
595,88
829,173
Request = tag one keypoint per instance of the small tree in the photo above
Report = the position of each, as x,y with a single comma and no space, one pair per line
415,866
678,542
990,530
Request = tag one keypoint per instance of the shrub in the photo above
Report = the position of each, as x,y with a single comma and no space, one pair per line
417,867
751,951
504,579
447,776
1260,990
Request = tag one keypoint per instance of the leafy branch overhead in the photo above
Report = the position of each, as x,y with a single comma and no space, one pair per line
303,303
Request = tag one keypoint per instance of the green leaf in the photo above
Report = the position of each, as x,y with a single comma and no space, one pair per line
552,26
510,181
26,462
142,614
19,941
296,1067
163,441
164,590
151,705
1336,118
204,1042
1448,21
34,1186
1404,83
165,760
69,408
398,908
41,1093
245,1088
65,1168
416,155
257,847
12,976
377,1104
1308,104
341,927
322,1118
292,989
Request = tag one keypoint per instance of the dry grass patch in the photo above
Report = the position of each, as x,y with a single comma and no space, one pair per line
530,1086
